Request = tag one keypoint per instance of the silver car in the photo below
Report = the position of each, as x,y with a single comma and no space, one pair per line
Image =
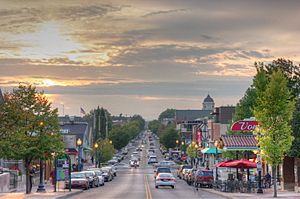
165,179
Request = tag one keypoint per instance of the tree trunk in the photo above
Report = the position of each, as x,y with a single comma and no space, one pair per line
274,180
27,178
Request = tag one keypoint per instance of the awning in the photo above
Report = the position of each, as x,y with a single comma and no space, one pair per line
87,149
210,151
239,142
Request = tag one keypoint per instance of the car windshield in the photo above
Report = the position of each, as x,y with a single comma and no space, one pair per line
77,175
106,170
165,175
89,174
207,173
187,167
163,170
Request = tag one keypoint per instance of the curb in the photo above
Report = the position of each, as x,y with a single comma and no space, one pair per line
69,194
223,194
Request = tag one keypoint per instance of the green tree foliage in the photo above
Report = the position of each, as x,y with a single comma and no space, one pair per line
121,135
105,151
273,111
140,120
154,126
169,136
29,128
169,113
102,119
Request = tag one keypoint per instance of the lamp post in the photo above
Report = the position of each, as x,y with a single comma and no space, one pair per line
177,142
216,157
96,153
79,143
41,187
259,161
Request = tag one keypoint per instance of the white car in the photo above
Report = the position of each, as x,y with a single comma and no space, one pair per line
165,179
99,174
132,162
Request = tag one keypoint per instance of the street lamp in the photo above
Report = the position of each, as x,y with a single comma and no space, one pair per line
96,153
79,143
259,164
216,157
177,142
41,187
110,141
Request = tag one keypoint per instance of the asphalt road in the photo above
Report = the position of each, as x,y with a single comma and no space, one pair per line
139,184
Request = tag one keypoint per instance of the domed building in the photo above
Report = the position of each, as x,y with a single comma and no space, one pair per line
208,103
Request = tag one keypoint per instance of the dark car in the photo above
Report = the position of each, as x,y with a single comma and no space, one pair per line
78,180
92,178
204,178
152,160
107,174
161,170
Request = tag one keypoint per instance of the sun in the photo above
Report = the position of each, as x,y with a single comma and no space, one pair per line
48,82
47,41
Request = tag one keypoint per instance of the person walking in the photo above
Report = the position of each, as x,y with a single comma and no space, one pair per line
31,175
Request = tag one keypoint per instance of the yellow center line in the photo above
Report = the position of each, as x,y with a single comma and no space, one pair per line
150,194
146,188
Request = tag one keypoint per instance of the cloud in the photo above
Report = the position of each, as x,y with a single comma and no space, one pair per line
163,12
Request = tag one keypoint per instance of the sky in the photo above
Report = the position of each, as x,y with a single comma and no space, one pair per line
142,56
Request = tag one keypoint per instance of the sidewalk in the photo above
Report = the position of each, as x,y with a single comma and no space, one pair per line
61,192
267,194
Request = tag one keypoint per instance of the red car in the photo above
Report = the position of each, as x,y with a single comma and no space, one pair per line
204,178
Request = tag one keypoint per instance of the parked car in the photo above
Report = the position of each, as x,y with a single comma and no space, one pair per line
113,170
191,176
99,175
181,168
121,166
112,162
204,178
107,174
92,178
78,180
161,170
165,179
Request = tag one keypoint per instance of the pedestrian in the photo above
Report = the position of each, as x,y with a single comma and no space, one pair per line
52,176
31,175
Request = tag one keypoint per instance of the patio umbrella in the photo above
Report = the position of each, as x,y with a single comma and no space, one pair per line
223,164
242,163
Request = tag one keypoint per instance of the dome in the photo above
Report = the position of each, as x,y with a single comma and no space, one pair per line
208,99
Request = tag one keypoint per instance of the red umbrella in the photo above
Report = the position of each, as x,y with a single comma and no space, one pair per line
242,163
223,164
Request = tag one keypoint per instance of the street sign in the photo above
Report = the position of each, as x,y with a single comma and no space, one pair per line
259,166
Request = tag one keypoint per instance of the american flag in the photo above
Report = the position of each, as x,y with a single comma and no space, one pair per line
82,111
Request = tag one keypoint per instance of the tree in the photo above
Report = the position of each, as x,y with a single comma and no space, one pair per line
273,111
154,126
29,128
140,120
106,151
169,113
169,136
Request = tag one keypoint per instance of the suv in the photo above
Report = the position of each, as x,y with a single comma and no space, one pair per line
204,178
161,170
181,168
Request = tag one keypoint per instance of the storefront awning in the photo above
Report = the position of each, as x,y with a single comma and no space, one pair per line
210,151
239,142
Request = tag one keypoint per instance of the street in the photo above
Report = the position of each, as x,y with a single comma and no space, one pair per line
138,183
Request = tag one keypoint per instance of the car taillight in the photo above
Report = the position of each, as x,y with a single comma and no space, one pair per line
172,179
190,174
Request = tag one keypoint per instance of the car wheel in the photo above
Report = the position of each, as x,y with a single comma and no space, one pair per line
173,187
156,187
